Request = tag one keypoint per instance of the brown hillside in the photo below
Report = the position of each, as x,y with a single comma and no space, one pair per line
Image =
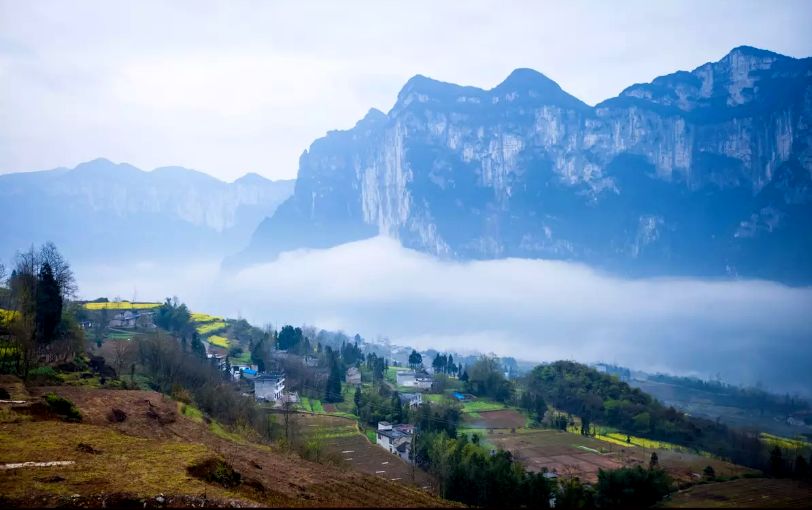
146,456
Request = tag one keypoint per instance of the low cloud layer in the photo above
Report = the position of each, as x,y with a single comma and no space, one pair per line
745,331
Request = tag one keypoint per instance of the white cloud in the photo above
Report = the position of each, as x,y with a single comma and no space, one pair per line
748,331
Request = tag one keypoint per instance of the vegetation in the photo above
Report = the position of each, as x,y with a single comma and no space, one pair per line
603,399
219,341
63,407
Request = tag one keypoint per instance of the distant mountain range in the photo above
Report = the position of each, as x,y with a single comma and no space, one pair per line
102,211
705,173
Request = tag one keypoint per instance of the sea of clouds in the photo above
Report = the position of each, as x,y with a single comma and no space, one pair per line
744,331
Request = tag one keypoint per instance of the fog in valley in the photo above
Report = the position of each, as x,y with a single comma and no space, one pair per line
745,332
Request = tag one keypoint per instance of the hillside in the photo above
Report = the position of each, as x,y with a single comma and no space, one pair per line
145,457
703,173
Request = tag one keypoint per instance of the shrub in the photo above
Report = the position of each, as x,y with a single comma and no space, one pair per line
63,407
214,470
44,374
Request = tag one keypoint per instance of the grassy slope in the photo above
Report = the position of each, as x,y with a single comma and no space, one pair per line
143,456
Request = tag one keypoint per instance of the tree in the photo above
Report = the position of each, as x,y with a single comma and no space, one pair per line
709,472
49,305
415,359
289,337
357,399
333,389
776,462
197,346
631,487
653,461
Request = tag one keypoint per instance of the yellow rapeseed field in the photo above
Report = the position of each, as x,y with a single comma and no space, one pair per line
219,341
120,305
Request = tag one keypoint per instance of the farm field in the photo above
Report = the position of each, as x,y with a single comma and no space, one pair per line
342,439
743,493
501,419
209,328
120,305
576,455
219,341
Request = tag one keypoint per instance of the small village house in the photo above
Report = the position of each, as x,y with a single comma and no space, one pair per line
396,439
412,399
353,376
269,387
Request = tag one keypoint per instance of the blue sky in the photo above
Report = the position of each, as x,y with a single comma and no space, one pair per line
232,87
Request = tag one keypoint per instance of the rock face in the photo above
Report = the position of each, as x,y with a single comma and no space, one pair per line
705,172
100,210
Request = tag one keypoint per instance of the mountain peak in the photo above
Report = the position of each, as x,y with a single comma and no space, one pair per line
529,83
526,78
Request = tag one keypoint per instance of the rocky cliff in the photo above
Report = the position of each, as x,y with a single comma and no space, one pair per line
103,210
704,173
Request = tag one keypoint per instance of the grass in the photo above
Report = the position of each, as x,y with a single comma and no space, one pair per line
136,465
120,305
371,435
219,341
211,327
242,359
190,412
478,406
316,406
784,442
433,398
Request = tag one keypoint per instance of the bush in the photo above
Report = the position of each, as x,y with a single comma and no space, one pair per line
63,407
44,374
214,470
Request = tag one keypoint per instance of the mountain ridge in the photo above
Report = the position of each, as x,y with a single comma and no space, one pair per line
645,183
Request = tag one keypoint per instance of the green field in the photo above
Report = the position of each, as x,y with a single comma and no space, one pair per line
478,406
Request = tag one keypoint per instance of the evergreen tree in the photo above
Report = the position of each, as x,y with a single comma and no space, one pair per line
654,461
197,346
48,303
415,359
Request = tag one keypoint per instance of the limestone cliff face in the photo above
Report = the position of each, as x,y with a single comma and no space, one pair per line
701,172
101,210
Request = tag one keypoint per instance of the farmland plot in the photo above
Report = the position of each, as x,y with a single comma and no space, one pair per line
342,438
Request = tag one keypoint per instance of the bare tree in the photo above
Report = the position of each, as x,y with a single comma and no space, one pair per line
122,354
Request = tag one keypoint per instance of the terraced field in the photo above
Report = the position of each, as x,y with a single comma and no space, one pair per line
342,438
744,493
576,455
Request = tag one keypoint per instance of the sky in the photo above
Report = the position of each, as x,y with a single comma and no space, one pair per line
239,86
745,332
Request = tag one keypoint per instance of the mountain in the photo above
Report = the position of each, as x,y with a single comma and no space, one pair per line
701,173
106,211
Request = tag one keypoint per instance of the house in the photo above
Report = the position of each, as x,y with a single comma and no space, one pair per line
405,378
423,381
396,439
269,386
123,320
413,399
311,361
353,376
